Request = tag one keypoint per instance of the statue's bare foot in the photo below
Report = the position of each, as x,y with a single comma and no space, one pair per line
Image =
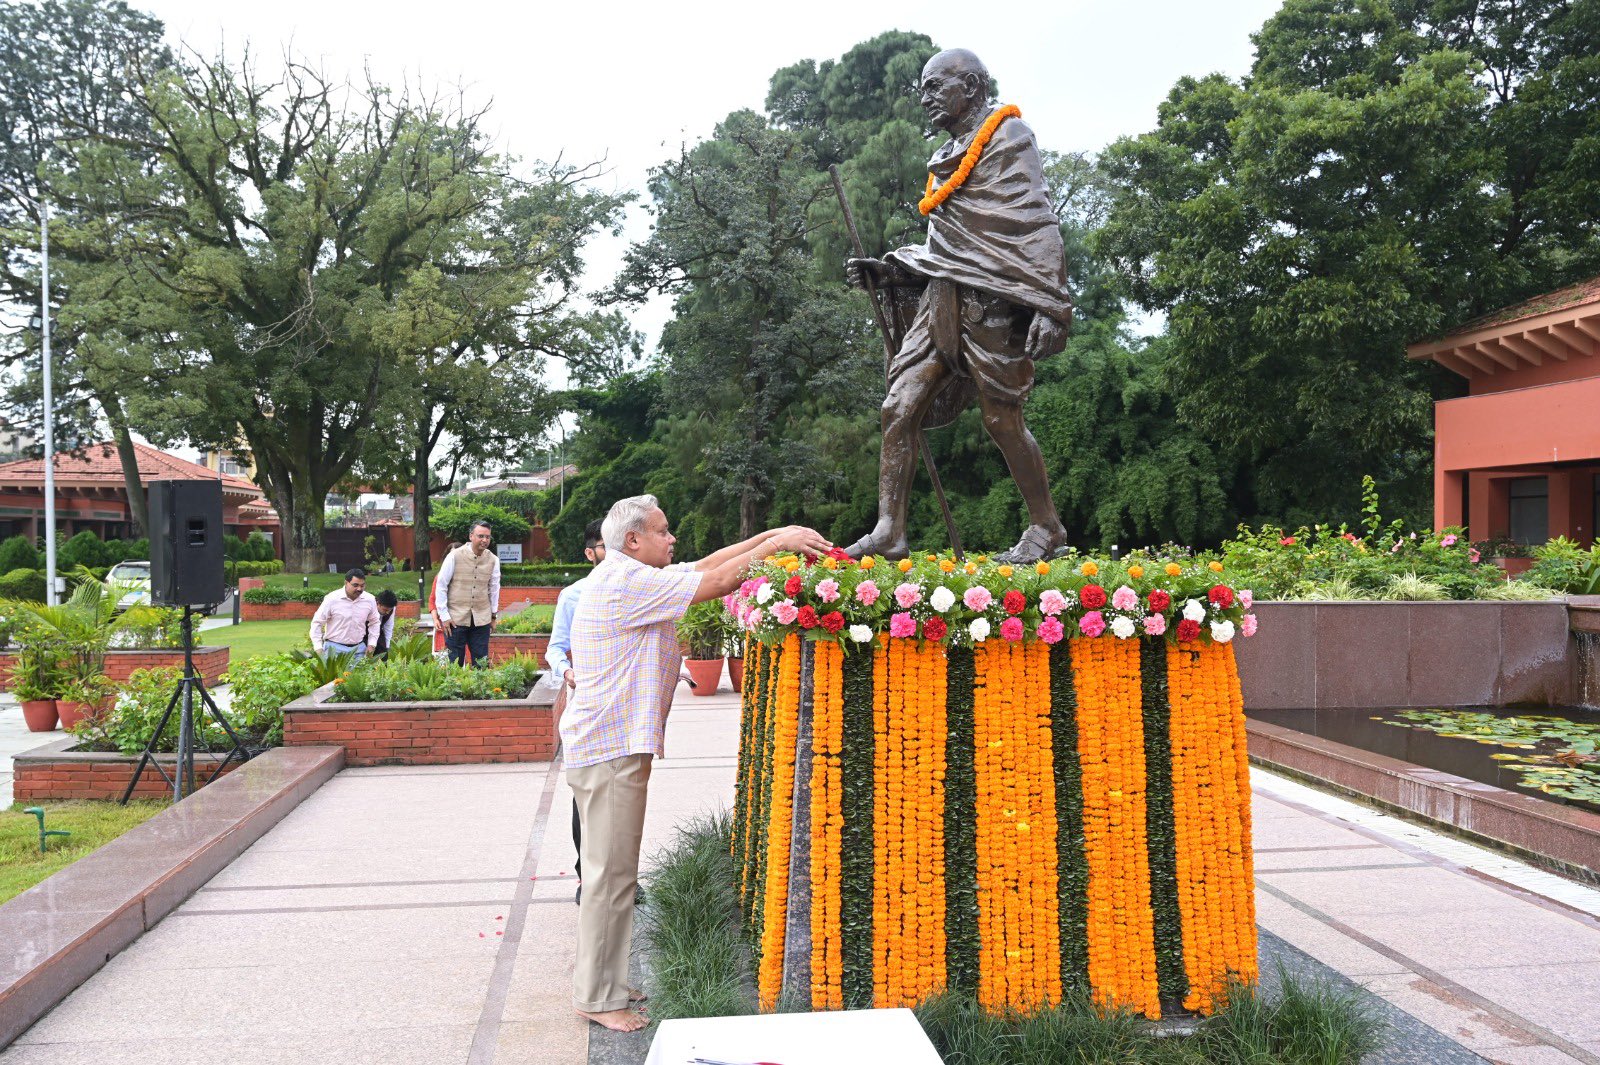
1037,544
880,545
616,1020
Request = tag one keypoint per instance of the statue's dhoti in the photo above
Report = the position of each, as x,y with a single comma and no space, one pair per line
979,339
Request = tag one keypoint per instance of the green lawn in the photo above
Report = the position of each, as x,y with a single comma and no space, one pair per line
327,582
252,638
92,824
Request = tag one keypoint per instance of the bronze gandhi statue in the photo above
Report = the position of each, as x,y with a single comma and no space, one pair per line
990,297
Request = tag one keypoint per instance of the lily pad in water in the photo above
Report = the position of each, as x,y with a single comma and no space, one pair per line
1560,767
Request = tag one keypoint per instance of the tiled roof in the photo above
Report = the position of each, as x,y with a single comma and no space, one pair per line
1573,295
99,464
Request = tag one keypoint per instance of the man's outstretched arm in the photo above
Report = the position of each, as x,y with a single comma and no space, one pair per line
721,572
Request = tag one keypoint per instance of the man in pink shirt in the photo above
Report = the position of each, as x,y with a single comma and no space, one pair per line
348,618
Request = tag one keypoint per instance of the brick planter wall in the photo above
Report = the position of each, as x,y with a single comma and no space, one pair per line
541,596
210,662
521,730
302,611
55,771
503,647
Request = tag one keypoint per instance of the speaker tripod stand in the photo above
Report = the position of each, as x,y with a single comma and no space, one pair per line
191,686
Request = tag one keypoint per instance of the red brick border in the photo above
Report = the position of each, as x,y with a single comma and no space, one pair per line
502,647
522,730
210,662
55,771
297,611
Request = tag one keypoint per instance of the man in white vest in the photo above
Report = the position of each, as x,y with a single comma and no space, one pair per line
467,597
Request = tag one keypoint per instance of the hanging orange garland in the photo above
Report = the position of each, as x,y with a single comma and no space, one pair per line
934,197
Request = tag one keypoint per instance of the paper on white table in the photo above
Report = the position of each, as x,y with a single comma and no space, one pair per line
849,1037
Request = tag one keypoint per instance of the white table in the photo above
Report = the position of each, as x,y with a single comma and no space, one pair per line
850,1037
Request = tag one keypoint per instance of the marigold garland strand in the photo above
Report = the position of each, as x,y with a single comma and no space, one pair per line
786,712
934,197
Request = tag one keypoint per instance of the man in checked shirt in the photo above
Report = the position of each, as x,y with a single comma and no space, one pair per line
625,629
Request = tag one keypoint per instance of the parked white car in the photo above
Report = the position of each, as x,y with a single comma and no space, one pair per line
131,580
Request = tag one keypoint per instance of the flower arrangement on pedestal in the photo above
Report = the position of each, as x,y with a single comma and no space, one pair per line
1016,783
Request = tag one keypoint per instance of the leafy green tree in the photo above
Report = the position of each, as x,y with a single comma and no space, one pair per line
64,79
1387,171
758,340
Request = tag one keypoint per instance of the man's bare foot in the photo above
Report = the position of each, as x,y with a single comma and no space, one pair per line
616,1020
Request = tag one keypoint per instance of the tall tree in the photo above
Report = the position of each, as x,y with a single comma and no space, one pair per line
1387,170
64,80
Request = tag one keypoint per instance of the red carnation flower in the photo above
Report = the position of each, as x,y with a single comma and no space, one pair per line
1221,595
934,629
839,554
1015,602
1188,630
1093,597
832,621
1159,601
808,617
792,586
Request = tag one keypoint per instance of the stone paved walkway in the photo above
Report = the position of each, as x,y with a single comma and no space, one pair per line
425,915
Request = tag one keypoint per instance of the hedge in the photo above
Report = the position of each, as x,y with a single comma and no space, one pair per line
23,584
269,596
542,574
256,569
455,520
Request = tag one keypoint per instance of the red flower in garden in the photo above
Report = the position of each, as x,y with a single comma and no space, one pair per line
839,554
1014,602
1221,595
792,586
934,629
1093,597
1159,601
1188,630
1287,541
832,621
808,617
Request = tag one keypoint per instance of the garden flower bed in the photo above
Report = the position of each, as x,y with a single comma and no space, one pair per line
425,713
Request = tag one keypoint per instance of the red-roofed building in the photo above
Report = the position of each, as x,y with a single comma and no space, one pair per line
91,494
1519,455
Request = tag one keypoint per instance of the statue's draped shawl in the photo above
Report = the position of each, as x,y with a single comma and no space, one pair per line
996,233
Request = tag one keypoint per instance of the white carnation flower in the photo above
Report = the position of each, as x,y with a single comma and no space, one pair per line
979,630
861,633
1222,631
1194,610
942,599
764,594
1122,628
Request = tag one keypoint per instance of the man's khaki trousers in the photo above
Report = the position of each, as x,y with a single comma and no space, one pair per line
611,799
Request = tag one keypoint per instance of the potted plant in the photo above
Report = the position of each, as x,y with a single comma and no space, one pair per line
84,696
76,634
733,646
36,680
700,634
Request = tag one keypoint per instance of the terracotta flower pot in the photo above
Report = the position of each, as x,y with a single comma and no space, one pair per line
707,674
40,714
72,713
736,673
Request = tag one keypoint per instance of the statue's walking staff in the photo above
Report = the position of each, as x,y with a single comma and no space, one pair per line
891,344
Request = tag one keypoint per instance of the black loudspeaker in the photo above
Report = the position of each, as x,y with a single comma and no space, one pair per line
186,543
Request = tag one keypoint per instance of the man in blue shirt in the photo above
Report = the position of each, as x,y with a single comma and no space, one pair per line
559,657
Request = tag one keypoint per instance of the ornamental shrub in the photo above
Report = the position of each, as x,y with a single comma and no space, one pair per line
141,700
18,553
455,521
267,596
1566,567
25,584
261,688
258,548
543,574
84,549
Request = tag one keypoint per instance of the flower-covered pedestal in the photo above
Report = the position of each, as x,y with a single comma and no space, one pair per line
940,788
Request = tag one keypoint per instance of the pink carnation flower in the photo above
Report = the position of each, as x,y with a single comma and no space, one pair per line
902,625
1247,625
1092,624
1051,603
1125,598
1155,624
786,612
752,620
867,592
1051,630
977,598
1246,597
828,590
1011,628
907,594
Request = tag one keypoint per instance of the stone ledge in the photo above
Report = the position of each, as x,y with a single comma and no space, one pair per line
1563,837
62,930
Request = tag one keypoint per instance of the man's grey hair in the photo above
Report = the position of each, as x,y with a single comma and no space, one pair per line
626,516
480,524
